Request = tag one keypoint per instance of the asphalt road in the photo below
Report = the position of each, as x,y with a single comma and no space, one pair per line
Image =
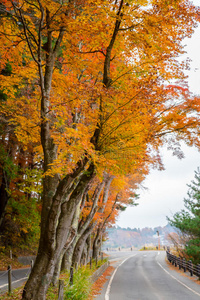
144,275
18,277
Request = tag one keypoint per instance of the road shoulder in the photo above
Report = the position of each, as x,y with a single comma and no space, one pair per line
192,283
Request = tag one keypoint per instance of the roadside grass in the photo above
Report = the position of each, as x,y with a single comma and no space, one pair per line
15,295
80,290
145,248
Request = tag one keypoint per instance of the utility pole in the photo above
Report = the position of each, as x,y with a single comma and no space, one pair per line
158,239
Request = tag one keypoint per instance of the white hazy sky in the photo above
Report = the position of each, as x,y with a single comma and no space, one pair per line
168,188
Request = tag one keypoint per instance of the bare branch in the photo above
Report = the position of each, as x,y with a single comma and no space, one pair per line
59,40
121,106
26,35
95,51
32,4
106,76
40,31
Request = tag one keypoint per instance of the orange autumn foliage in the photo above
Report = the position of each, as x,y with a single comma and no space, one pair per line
88,90
142,60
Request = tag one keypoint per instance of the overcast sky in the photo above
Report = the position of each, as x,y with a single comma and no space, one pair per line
168,188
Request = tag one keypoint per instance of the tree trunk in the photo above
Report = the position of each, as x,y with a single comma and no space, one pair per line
86,252
88,243
78,250
71,241
96,244
68,244
54,237
67,258
83,260
3,197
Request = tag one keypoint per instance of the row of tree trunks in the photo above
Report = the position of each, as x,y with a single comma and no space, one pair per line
69,245
77,250
54,238
96,243
70,258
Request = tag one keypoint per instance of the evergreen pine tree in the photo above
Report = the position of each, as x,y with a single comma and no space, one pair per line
188,220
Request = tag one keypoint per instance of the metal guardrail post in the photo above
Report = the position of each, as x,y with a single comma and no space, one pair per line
184,265
101,256
61,290
198,270
168,256
190,266
96,260
175,261
32,263
179,263
71,276
90,262
9,279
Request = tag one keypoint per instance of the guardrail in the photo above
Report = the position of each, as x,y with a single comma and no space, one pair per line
183,264
11,279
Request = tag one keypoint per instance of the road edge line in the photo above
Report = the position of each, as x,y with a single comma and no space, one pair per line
177,279
107,294
1,286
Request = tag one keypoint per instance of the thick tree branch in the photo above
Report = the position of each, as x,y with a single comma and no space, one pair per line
27,37
106,76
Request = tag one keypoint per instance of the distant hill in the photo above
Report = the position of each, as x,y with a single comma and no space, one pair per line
136,237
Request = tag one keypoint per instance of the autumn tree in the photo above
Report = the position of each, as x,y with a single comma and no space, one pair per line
19,185
96,76
20,219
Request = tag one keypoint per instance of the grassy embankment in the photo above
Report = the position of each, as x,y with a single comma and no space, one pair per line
80,290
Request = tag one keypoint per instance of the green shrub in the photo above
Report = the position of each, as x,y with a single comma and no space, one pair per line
82,284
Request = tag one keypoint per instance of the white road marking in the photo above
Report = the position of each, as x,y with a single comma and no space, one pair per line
187,287
1,286
107,295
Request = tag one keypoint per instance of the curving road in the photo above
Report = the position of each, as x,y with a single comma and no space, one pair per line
144,275
18,278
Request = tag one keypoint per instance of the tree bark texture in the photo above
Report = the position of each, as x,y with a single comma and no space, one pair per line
3,196
53,239
71,240
96,243
87,224
78,250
